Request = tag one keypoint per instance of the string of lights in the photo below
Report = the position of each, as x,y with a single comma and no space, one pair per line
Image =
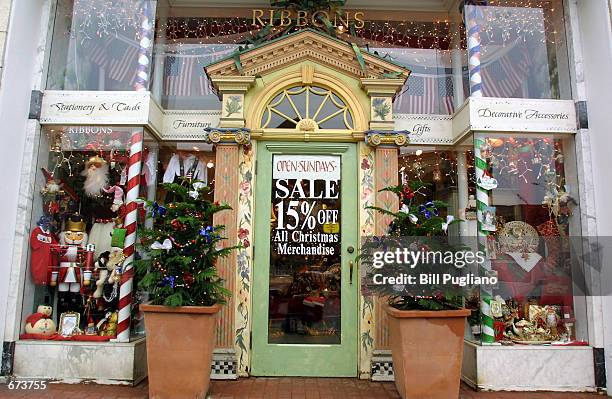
504,21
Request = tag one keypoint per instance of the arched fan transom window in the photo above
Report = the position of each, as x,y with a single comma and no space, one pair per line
307,108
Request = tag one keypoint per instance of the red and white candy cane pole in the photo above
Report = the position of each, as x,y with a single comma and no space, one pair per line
129,247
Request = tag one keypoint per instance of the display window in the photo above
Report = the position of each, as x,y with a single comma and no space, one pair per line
517,199
171,162
445,174
83,230
529,225
520,48
102,45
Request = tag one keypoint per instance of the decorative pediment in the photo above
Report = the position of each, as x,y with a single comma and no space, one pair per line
303,45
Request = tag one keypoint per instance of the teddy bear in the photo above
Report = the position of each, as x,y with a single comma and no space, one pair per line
108,266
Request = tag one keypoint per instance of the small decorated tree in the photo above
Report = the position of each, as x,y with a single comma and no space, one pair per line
180,251
425,319
419,225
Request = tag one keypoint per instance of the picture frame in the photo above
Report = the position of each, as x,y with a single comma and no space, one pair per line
488,221
69,323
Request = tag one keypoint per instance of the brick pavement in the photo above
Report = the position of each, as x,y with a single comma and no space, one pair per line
273,388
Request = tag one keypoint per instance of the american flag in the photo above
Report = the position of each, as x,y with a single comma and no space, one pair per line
126,66
418,95
446,94
98,50
178,73
184,73
505,77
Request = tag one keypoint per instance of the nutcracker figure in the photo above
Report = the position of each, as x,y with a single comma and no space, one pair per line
75,262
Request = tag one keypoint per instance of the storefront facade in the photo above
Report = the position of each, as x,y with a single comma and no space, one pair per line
297,119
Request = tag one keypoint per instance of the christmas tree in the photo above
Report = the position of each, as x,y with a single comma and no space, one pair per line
180,252
419,226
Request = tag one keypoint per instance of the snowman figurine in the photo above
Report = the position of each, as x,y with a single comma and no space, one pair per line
40,322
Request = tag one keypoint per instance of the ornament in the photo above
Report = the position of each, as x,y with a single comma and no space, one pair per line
177,225
495,142
449,220
428,209
167,245
117,192
207,234
487,182
496,308
407,194
158,210
107,327
96,176
167,281
188,278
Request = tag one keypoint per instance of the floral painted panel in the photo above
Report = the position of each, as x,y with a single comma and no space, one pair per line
233,105
244,257
381,109
367,196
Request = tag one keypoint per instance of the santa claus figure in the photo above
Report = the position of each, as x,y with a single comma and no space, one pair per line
96,176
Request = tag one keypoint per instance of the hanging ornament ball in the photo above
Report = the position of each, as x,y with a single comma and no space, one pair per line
496,142
177,225
188,278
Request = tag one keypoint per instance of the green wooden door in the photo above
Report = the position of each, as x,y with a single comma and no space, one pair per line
305,291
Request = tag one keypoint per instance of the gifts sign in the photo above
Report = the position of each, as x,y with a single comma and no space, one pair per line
306,204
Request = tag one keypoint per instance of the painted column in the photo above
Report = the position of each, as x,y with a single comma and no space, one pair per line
386,175
482,201
244,265
131,219
234,166
226,191
473,43
384,142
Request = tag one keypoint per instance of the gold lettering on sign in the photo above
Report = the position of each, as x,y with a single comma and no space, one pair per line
318,17
359,19
284,17
257,14
301,18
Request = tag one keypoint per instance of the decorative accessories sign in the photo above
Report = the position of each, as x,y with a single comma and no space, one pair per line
522,115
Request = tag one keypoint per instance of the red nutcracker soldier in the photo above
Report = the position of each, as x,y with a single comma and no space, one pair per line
75,263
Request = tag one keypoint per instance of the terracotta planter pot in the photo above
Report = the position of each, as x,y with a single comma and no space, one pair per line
180,342
427,349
